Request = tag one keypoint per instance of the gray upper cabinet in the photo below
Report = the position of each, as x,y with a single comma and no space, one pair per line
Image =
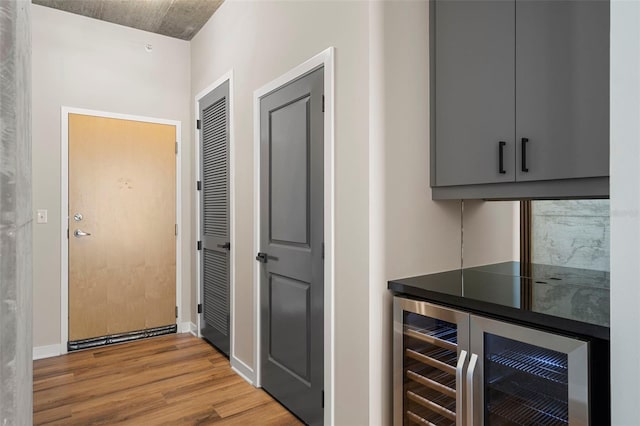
520,98
474,92
562,89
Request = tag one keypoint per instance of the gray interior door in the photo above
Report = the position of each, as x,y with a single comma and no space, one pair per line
291,245
214,231
562,86
474,96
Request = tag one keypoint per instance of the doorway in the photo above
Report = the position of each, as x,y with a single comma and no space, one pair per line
120,223
214,218
291,244
291,240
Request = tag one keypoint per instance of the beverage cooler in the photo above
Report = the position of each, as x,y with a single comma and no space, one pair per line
455,368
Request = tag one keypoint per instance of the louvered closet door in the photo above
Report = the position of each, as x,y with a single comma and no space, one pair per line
214,232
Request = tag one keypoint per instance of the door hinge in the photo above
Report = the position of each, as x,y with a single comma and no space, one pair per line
322,103
198,124
176,148
199,245
323,250
176,229
199,185
176,312
67,233
199,308
322,399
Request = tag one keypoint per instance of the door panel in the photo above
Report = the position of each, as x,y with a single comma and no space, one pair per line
562,86
290,185
214,233
289,325
474,91
292,282
122,182
527,376
430,349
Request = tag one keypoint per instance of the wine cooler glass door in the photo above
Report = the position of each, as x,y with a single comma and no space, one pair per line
527,377
431,350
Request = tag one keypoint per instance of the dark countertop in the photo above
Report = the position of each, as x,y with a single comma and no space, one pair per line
559,299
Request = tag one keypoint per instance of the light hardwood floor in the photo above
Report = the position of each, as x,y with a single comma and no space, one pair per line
174,380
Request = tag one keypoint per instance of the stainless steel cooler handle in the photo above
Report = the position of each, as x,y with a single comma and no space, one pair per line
472,368
459,387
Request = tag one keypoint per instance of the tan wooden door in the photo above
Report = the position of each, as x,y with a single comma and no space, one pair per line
122,181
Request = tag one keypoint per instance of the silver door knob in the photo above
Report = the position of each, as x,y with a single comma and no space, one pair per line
79,233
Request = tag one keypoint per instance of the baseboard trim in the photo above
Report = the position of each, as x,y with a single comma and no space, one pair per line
41,352
243,370
193,329
184,327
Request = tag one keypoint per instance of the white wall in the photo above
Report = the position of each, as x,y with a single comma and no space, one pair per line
414,235
85,63
491,232
625,211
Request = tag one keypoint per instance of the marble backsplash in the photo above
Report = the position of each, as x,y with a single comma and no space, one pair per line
573,233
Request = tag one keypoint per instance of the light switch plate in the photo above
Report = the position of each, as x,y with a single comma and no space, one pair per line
41,216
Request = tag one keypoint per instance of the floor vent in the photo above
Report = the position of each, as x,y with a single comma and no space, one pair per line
112,339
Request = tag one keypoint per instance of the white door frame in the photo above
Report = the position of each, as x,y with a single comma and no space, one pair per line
64,210
238,365
323,59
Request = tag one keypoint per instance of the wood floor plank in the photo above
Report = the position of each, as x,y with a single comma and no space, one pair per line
52,415
176,379
268,415
240,403
106,384
52,381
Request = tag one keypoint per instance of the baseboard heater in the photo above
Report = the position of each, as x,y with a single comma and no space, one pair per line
94,342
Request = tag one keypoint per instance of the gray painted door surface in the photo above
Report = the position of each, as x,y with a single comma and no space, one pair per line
291,242
562,87
214,231
474,91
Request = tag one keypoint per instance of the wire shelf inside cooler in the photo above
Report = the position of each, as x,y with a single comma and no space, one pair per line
442,359
510,403
431,326
420,374
539,362
428,404
428,419
430,357
439,331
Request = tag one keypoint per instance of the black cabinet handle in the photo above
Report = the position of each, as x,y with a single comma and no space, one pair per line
501,146
524,142
226,246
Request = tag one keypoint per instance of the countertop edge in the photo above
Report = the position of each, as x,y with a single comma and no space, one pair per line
545,322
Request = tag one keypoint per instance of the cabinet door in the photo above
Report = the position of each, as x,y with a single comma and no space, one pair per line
562,89
474,96
430,350
523,376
